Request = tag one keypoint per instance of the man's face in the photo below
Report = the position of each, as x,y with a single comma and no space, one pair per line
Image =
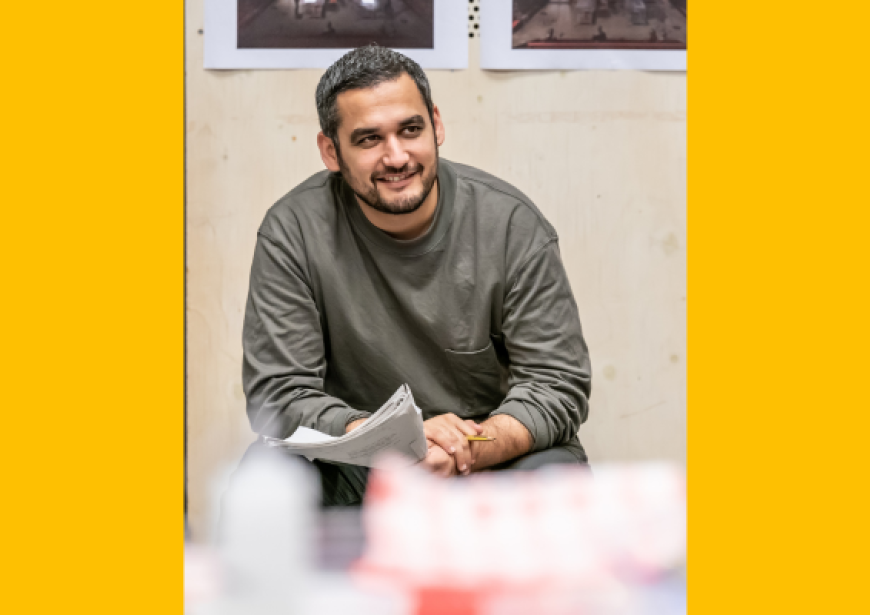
388,145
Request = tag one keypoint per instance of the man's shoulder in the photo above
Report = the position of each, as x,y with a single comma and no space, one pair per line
313,198
319,182
488,181
500,199
314,192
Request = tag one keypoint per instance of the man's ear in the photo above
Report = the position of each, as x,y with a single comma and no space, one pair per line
439,126
327,152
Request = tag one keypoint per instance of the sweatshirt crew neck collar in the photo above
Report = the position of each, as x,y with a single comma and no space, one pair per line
409,247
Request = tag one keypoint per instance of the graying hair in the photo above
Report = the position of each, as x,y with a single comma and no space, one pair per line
364,67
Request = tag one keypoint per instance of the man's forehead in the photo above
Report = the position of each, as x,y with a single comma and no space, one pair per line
388,101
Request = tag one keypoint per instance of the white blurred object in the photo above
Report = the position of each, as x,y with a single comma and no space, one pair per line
264,561
337,594
266,545
203,578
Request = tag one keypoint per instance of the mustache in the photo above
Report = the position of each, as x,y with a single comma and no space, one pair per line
408,168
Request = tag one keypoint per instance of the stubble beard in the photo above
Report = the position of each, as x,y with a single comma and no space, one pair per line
372,196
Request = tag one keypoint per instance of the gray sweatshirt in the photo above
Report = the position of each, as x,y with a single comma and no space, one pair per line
476,316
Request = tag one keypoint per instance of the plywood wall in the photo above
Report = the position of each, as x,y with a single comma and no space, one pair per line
602,154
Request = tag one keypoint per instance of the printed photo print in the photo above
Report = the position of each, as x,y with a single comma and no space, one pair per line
335,24
599,24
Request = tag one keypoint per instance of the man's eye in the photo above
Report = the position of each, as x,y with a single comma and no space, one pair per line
368,139
412,130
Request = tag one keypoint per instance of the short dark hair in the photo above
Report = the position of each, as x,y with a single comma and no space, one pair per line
364,67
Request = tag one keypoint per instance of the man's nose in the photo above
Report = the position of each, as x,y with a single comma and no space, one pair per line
395,155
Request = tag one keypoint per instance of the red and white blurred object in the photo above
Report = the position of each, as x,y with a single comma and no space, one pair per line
561,536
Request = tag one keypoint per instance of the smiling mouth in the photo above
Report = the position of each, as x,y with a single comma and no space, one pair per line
397,177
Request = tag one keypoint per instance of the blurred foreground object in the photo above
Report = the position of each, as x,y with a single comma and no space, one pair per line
555,541
266,545
266,562
558,540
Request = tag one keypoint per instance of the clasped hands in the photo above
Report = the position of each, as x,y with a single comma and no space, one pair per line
449,451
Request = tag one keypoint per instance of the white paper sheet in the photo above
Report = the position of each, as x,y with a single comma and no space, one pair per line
497,52
303,435
221,51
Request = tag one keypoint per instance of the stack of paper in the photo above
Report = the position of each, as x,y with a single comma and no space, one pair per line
396,426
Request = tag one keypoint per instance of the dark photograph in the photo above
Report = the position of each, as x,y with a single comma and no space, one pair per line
335,24
599,24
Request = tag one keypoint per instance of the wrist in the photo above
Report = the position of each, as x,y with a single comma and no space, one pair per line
353,425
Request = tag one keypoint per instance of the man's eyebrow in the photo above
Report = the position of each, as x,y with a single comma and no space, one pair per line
364,132
416,119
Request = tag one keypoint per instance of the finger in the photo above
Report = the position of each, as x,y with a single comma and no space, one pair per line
449,432
442,463
435,458
454,443
475,426
445,466
443,438
426,462
436,431
463,426
462,452
450,420
431,454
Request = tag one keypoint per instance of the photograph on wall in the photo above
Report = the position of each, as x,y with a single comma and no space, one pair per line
599,24
276,34
584,34
335,24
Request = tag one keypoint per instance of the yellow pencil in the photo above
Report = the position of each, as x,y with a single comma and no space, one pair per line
479,439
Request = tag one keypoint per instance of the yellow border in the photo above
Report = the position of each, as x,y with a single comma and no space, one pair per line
92,257
778,220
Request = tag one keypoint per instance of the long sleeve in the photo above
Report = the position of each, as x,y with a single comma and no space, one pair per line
550,373
284,359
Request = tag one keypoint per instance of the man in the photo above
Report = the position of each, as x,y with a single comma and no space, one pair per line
394,266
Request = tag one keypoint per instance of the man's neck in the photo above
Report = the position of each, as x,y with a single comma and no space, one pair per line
404,226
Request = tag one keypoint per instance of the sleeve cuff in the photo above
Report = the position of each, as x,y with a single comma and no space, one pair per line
530,420
344,417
